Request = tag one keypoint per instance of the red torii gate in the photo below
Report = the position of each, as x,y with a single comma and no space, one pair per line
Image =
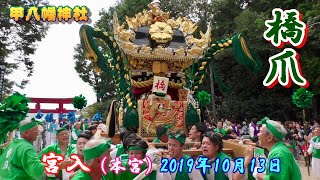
59,101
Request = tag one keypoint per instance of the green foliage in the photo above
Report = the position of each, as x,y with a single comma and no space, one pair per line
102,107
18,41
13,110
310,68
204,98
123,8
79,102
248,97
224,13
199,11
102,83
302,98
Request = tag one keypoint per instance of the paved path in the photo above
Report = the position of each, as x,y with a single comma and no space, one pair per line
304,171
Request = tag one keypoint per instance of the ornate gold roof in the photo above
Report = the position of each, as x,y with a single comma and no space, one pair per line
154,36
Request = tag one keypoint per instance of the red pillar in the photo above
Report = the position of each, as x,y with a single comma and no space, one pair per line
37,106
60,109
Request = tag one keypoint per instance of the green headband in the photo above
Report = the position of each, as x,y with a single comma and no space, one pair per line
61,129
96,151
271,128
178,138
138,148
28,126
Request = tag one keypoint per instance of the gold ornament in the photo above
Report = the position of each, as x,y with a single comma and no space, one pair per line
161,32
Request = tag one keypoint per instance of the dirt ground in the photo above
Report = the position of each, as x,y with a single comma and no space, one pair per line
304,171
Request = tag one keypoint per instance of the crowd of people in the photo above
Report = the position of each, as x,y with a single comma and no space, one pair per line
302,142
23,157
294,139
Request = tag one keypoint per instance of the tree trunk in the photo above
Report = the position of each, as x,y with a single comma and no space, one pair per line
315,107
97,95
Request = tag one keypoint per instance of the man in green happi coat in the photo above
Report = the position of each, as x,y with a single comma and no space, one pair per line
271,137
62,147
220,129
3,145
19,159
94,152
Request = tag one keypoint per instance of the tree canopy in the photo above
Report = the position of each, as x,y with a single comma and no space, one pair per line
18,40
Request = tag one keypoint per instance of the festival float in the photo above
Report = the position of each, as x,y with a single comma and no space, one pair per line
158,66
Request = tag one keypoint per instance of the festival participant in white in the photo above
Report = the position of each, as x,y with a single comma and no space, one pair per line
314,140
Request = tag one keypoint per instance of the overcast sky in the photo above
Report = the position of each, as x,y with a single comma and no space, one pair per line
54,74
